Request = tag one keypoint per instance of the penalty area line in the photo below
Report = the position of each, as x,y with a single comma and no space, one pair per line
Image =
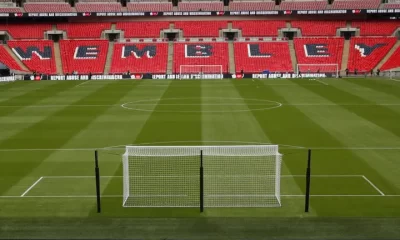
33,185
322,82
373,185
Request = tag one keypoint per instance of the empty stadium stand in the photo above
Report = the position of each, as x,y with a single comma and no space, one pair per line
393,62
318,28
10,10
140,58
84,56
142,29
259,28
376,28
98,7
390,6
303,5
367,52
201,53
251,6
201,6
356,4
259,56
80,30
149,7
201,28
37,55
48,7
8,60
26,31
319,51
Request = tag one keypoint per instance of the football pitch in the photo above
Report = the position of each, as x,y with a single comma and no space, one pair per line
50,130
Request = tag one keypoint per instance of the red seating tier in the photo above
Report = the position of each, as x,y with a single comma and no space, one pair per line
149,7
391,6
80,30
393,61
142,29
204,6
47,7
26,31
8,60
201,28
202,53
84,56
259,56
303,5
251,6
319,51
318,28
41,61
366,53
376,28
98,7
10,10
356,4
259,28
148,58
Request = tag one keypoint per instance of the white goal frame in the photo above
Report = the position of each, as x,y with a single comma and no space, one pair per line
231,176
319,66
199,72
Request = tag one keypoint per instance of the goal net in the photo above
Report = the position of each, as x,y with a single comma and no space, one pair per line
200,71
231,176
305,70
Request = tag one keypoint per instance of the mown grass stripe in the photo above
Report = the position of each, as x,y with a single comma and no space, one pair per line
380,86
54,132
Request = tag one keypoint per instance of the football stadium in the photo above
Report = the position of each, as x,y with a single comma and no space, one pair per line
200,120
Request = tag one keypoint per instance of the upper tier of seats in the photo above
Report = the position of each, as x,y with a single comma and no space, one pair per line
376,28
303,5
47,7
201,6
26,31
83,56
98,7
367,52
142,29
259,56
258,27
318,28
80,30
201,28
319,51
150,7
140,58
393,62
356,4
36,55
251,6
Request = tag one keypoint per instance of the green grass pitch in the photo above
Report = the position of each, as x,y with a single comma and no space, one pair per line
49,130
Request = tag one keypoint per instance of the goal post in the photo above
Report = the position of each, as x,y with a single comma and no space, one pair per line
202,176
303,70
200,71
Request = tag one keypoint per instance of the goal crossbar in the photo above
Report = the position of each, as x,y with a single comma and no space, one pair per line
328,68
200,71
215,176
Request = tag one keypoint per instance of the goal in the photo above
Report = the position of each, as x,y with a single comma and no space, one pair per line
200,71
331,70
202,176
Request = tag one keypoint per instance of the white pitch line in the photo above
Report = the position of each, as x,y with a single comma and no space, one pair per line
373,185
86,81
322,82
34,184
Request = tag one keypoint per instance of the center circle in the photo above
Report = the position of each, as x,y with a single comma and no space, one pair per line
207,105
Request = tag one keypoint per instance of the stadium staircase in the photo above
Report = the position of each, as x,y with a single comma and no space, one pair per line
109,58
170,63
388,55
231,51
57,56
345,55
293,56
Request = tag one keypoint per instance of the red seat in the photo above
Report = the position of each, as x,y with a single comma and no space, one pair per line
303,5
10,9
8,60
41,61
201,53
356,4
204,6
84,56
47,7
318,28
259,56
376,28
154,60
26,31
391,6
319,51
142,29
259,28
201,28
80,30
393,62
98,7
251,6
366,53
150,7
